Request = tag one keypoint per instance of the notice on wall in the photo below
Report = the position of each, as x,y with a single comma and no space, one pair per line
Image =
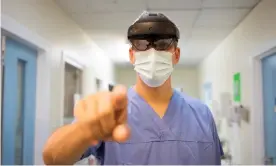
237,87
207,89
225,104
179,89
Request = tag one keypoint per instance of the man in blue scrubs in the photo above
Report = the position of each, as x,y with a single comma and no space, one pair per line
150,124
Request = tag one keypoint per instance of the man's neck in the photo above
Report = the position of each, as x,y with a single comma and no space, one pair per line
157,95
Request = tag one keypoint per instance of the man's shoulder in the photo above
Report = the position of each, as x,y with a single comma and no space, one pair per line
195,105
200,113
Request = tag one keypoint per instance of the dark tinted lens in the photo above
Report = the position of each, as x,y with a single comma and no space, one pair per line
140,45
162,44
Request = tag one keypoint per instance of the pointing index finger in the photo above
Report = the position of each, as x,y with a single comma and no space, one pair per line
119,94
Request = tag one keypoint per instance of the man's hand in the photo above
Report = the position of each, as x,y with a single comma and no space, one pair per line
104,115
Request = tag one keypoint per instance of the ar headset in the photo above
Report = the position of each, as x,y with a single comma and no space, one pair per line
152,30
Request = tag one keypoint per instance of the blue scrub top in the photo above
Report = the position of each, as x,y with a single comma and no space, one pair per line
185,135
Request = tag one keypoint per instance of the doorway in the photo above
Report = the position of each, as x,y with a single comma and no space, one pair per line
72,91
269,99
18,103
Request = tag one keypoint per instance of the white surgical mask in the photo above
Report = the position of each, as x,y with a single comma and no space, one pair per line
153,67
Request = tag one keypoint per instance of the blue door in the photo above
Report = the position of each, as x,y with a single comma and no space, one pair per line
269,90
19,93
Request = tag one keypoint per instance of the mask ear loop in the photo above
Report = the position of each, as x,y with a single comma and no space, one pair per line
174,50
173,65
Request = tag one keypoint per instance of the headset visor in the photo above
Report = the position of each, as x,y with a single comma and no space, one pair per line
157,44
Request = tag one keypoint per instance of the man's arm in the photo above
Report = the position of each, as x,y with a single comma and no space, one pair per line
218,148
67,145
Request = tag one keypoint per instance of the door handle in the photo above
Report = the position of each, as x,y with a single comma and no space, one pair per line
275,104
268,161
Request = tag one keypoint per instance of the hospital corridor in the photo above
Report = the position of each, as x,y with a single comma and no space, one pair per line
219,56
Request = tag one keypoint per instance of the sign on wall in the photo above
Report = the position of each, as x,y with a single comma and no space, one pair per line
237,87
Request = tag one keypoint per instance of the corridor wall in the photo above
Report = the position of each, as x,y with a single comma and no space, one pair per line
255,35
45,19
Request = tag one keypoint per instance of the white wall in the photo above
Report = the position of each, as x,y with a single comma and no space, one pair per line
46,19
186,78
255,35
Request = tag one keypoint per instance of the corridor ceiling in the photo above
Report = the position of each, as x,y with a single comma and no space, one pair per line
203,24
